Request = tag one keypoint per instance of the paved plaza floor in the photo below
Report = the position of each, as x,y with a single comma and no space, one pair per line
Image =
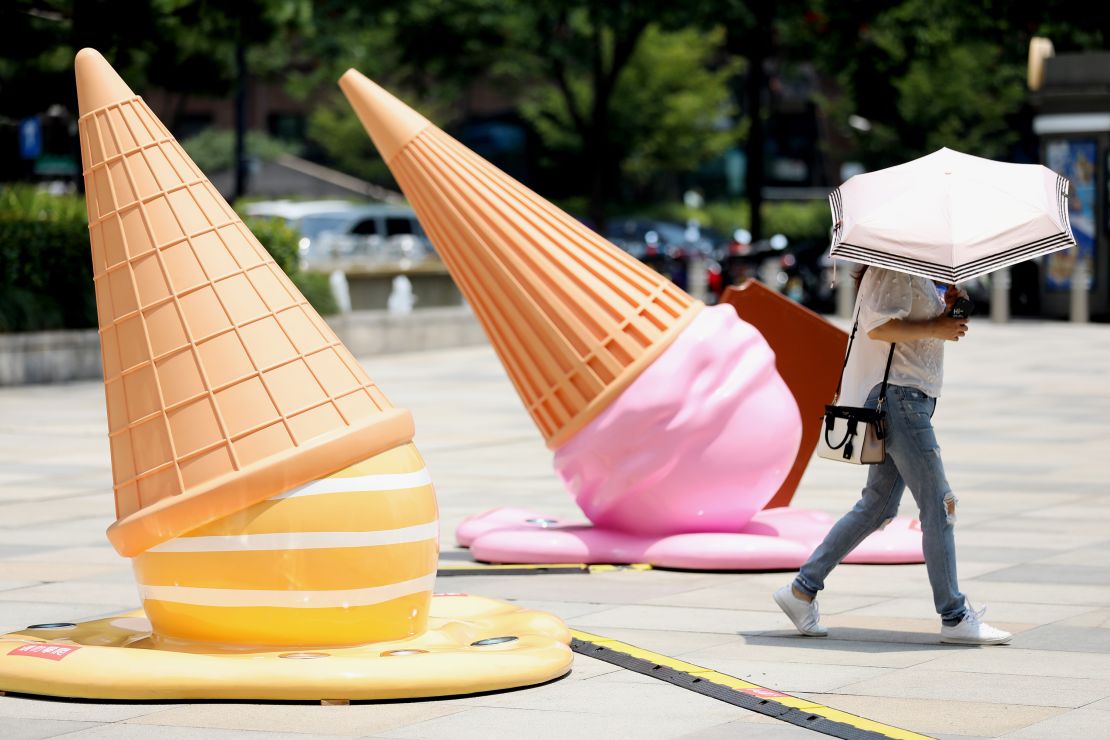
1025,428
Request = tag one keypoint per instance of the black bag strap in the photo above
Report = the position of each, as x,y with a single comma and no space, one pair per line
886,373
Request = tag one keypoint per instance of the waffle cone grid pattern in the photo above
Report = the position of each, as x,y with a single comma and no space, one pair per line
197,323
572,317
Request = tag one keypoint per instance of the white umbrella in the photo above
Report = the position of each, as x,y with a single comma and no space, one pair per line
950,216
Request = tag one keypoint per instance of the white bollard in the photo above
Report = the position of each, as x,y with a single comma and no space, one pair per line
341,290
401,299
1000,296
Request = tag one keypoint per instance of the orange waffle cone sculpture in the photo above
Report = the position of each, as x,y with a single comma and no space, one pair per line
224,386
573,319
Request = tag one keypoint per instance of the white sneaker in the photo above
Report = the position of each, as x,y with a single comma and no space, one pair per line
973,631
802,613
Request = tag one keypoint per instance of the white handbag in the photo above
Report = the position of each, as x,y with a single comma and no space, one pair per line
854,434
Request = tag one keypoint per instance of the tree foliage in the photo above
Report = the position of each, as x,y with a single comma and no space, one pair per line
624,94
669,111
933,73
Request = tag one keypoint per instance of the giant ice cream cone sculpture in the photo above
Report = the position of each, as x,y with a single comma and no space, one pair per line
225,389
668,419
574,320
632,381
268,493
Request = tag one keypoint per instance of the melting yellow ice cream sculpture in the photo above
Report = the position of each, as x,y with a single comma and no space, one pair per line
267,491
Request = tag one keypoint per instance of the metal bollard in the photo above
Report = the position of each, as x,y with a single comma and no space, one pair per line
845,290
697,282
1079,311
1000,296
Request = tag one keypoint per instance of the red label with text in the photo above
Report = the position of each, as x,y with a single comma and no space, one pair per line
46,650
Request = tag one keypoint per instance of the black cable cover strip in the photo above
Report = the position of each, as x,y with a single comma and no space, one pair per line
766,707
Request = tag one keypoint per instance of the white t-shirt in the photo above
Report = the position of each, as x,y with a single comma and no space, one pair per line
919,363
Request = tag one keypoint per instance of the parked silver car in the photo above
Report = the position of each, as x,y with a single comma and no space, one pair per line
335,232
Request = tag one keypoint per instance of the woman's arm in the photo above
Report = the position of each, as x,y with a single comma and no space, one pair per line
903,330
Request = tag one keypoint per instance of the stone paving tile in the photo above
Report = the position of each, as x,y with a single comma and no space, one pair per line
775,730
670,642
1037,539
483,723
757,599
927,716
24,571
568,611
1097,618
88,532
998,611
1037,593
17,615
1049,573
18,729
1017,660
920,683
66,592
102,554
120,731
1065,638
1084,556
922,630
688,619
348,721
22,707
623,676
1081,723
585,667
596,696
626,587
795,677
819,652
1005,554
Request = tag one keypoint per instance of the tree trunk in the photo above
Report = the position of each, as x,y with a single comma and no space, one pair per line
757,48
241,163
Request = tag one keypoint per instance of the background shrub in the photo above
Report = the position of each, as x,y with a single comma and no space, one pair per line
45,267
317,289
797,220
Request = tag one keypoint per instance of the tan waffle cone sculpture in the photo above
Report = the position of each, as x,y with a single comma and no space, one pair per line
224,387
573,318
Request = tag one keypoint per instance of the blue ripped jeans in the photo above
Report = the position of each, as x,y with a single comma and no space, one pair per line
913,459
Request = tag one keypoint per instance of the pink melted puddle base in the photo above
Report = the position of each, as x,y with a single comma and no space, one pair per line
775,539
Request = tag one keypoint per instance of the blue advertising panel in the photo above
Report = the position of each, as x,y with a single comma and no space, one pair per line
1077,160
30,138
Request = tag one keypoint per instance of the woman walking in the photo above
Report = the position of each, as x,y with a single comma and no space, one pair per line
907,310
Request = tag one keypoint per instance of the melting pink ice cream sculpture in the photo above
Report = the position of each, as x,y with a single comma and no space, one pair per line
674,472
670,424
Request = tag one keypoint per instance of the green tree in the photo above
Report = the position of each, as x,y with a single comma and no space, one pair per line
932,73
601,96
212,149
183,46
669,111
